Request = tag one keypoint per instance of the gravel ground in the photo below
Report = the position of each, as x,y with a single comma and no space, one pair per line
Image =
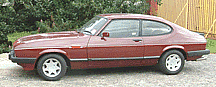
195,73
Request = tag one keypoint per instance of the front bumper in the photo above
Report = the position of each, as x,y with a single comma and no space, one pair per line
15,59
198,53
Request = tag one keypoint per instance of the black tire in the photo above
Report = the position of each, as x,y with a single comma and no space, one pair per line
51,67
171,62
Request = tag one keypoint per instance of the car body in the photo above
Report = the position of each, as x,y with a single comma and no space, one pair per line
110,40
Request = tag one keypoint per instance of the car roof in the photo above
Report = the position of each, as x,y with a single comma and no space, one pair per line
128,16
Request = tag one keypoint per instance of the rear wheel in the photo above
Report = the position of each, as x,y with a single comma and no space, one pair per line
51,67
172,62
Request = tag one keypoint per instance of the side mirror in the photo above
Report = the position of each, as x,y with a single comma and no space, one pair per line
105,34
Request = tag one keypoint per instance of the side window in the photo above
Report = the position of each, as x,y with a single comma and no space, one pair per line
122,28
150,28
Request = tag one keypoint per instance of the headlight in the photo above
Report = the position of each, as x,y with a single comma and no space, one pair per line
12,52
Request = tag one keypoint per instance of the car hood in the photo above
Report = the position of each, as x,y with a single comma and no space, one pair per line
45,36
50,39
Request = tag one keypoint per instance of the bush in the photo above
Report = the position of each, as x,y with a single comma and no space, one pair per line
4,43
4,48
60,15
6,26
63,15
3,32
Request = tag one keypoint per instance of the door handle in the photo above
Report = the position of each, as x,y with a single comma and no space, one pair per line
137,40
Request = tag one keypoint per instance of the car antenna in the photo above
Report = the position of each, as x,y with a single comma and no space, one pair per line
77,32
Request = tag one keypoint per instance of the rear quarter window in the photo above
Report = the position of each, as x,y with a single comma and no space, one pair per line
153,28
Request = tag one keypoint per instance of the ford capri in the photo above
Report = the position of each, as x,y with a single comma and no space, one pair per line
110,40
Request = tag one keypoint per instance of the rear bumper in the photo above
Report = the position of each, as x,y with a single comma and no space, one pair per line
19,59
198,53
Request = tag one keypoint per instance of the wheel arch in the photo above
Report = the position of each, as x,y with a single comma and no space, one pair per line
178,48
58,53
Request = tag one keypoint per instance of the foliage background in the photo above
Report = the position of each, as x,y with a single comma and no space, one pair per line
59,15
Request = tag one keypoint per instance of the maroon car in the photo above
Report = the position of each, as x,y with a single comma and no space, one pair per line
110,40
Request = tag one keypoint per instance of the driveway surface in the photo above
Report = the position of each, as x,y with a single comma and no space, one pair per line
195,73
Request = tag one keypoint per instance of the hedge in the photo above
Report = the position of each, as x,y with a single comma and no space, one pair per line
61,15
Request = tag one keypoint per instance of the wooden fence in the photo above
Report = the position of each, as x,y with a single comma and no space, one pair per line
195,15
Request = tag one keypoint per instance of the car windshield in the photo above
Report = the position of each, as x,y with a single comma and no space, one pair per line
92,26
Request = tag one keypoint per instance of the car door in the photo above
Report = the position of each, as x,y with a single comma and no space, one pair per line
123,47
155,35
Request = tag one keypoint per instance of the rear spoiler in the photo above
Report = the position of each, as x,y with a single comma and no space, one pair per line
203,34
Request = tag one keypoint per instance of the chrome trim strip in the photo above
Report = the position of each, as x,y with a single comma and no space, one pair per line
106,45
127,58
72,60
130,58
122,45
151,57
177,43
109,59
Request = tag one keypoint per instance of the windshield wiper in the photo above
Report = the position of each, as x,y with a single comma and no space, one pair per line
88,32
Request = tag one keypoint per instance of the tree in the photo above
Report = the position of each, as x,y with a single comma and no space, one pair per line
60,15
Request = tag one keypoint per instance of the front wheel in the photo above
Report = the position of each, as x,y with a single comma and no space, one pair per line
51,67
172,62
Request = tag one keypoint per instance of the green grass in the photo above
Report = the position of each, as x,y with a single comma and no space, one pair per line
211,44
14,36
